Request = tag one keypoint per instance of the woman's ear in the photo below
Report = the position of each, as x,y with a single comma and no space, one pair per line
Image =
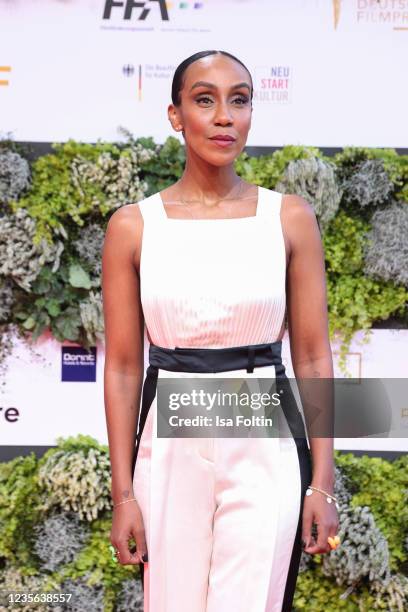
174,118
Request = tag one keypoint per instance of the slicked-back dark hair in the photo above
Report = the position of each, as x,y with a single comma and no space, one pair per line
177,83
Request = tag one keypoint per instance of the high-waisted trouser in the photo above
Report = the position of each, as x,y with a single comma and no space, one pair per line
222,516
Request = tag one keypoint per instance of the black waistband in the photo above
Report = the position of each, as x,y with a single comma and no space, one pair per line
217,360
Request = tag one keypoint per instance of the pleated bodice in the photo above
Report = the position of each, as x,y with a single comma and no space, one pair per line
213,283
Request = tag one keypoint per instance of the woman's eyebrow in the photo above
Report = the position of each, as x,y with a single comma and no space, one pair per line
212,86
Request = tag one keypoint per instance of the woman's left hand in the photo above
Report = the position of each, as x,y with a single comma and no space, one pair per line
317,510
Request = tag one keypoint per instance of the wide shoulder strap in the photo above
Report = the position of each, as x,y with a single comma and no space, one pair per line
270,202
151,208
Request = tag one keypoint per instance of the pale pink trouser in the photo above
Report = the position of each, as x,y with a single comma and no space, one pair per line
220,518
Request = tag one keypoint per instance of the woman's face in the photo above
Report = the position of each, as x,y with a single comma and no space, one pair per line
215,101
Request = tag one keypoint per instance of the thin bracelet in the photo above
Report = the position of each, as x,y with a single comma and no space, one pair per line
124,502
329,497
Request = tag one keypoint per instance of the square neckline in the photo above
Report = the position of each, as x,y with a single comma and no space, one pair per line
255,216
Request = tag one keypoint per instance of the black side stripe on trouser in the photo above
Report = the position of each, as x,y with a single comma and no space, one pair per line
296,425
148,394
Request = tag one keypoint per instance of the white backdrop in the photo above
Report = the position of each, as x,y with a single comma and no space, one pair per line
326,72
36,407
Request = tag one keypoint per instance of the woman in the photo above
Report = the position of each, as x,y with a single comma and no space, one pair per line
218,522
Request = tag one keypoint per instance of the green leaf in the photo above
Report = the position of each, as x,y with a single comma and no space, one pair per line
21,315
67,325
29,323
53,308
78,277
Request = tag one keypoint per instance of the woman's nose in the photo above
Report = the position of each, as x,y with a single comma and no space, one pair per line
223,114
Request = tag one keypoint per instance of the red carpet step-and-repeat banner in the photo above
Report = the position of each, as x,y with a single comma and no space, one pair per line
326,72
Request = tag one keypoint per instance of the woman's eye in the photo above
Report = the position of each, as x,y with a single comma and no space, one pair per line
203,99
242,100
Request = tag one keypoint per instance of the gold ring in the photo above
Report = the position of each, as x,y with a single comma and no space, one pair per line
334,542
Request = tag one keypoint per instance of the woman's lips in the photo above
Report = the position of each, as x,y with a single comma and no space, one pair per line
222,143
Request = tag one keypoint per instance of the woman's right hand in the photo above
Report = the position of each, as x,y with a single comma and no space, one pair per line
127,522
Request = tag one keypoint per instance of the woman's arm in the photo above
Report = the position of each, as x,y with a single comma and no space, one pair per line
124,350
307,318
311,359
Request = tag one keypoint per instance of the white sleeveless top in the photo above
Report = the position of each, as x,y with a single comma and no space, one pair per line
213,283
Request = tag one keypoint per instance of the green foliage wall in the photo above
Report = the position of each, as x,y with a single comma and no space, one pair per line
55,521
54,212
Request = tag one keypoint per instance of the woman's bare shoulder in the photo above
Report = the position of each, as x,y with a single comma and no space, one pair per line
296,208
125,215
298,220
125,229
125,221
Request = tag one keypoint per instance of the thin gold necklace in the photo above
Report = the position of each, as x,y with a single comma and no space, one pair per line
234,198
